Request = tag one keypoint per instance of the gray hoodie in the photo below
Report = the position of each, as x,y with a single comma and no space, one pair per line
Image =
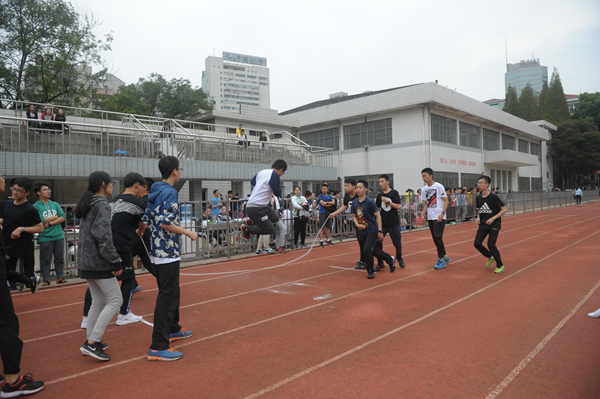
97,257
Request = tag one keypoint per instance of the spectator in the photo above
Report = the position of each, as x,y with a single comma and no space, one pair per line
301,213
61,118
238,131
327,206
32,114
578,195
263,141
47,116
234,204
243,140
462,205
19,221
52,239
215,204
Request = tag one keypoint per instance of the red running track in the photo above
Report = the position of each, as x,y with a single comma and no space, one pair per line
316,328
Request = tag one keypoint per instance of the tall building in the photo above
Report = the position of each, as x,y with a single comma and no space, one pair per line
236,80
526,71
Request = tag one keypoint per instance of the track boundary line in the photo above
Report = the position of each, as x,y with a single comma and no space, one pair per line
216,335
391,332
517,370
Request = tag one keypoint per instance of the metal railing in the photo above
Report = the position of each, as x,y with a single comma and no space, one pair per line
221,236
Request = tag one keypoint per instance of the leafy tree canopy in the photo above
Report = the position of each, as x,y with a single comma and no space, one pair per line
556,109
511,104
588,108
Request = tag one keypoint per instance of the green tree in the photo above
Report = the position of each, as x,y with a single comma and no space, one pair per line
527,102
588,108
182,101
575,151
541,102
127,100
511,104
151,89
556,109
47,50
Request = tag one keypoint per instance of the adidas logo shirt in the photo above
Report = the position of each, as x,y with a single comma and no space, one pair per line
489,207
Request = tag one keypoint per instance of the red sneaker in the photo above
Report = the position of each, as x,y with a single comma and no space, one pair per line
61,281
245,232
281,250
249,222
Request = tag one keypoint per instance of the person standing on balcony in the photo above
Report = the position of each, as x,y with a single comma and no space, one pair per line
32,114
60,117
243,140
52,239
238,131
263,141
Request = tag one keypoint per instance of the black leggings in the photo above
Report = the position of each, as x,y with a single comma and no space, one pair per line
482,232
299,230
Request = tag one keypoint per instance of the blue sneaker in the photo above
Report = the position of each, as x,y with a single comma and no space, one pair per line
168,355
181,334
446,259
138,289
259,252
270,251
440,265
302,246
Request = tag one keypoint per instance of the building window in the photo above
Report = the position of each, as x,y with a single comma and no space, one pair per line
504,180
491,140
368,134
443,129
469,135
492,178
508,142
510,180
322,138
536,149
524,185
469,180
524,146
447,179
536,184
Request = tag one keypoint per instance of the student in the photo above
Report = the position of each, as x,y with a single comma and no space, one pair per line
11,346
326,207
98,261
215,205
238,131
388,201
491,208
52,239
243,140
162,219
141,245
367,219
301,213
351,195
578,195
436,201
19,221
266,184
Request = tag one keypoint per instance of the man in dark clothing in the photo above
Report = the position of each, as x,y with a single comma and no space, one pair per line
351,195
11,345
141,245
388,201
491,208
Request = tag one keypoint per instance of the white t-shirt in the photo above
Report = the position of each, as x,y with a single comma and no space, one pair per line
433,195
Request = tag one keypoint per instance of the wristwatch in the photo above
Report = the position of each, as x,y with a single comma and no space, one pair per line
25,229
380,231
443,213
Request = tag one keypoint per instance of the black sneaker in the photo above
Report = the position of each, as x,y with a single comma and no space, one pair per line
401,263
321,244
371,275
94,350
34,284
381,265
330,243
1,380
104,345
393,265
25,385
360,266
377,269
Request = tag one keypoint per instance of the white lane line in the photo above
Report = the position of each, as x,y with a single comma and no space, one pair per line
394,331
513,374
216,335
147,322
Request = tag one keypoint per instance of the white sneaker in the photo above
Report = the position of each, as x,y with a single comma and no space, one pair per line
129,318
83,322
595,314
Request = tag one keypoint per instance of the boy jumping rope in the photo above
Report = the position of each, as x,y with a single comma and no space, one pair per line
491,208
435,203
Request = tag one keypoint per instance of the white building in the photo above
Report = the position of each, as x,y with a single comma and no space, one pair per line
236,80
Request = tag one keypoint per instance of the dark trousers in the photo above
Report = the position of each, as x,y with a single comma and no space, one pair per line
396,236
138,249
437,232
482,232
10,344
28,258
367,242
15,277
264,218
299,230
360,246
166,313
577,200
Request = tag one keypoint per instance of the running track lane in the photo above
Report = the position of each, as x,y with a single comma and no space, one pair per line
276,332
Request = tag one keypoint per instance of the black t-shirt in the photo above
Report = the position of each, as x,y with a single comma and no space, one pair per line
348,199
126,213
16,216
389,215
489,207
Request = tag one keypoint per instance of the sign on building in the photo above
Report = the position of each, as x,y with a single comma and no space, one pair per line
245,59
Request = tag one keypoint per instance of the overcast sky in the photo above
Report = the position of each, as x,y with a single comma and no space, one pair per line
315,48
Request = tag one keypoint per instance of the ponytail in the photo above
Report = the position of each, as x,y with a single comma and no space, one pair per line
95,181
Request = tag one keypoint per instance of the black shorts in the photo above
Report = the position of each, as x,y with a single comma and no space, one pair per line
324,219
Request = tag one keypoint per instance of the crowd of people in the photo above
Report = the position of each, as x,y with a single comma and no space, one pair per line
46,118
244,143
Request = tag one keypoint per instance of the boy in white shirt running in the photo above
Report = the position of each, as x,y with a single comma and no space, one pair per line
435,204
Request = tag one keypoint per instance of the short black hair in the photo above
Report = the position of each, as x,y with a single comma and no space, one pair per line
132,178
386,177
12,181
486,178
230,192
24,183
350,180
325,185
307,193
149,183
215,191
38,187
167,165
279,164
429,171
364,183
